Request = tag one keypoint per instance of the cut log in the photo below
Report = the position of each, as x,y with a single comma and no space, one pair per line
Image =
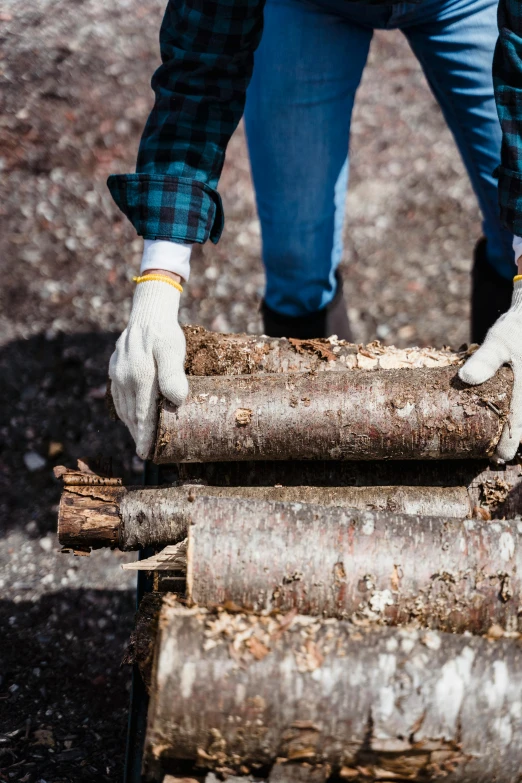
454,575
380,704
89,516
390,414
134,518
495,490
212,353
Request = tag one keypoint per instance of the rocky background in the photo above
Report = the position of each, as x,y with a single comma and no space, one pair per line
75,94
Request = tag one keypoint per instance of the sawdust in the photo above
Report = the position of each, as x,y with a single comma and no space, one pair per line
213,353
494,492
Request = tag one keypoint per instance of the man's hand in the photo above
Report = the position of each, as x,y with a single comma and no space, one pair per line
503,345
149,358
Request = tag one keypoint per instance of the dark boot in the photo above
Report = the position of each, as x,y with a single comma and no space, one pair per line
490,294
333,319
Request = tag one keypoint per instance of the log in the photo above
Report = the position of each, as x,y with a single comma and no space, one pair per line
134,517
379,704
453,575
89,516
493,490
389,414
212,353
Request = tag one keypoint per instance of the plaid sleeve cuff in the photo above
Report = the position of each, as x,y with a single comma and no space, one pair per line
167,207
510,197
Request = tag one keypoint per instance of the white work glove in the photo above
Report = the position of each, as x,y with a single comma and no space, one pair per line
503,345
149,358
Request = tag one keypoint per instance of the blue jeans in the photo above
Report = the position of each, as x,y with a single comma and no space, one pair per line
299,105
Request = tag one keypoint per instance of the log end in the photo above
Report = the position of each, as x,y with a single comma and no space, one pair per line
88,517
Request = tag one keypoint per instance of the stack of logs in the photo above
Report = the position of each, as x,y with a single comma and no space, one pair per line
338,568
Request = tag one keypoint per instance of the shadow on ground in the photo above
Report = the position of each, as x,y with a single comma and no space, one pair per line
64,694
65,621
52,411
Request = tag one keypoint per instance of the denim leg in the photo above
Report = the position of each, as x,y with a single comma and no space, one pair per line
299,103
454,41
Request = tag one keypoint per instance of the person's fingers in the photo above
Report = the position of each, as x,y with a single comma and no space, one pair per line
172,380
146,413
123,399
121,389
485,362
512,432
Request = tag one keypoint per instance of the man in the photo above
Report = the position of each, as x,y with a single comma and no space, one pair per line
308,66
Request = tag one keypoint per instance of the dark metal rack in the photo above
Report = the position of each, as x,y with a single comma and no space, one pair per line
139,699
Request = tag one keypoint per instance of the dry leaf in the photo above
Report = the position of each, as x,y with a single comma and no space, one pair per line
44,737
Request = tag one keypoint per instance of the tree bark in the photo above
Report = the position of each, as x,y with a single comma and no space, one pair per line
390,414
299,773
453,575
380,704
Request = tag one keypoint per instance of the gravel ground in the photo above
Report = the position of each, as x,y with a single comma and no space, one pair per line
75,90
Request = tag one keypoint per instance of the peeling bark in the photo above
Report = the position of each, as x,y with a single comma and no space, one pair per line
453,575
89,516
380,704
390,414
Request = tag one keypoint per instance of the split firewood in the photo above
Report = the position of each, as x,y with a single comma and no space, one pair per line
454,575
171,558
379,704
389,414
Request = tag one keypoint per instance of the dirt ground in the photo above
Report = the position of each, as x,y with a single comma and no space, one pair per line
75,94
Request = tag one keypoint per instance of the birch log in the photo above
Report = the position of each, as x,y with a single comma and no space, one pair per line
92,516
390,414
135,517
493,490
454,575
233,691
213,353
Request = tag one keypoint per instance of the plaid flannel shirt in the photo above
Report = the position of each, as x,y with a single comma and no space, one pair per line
507,75
207,52
207,49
